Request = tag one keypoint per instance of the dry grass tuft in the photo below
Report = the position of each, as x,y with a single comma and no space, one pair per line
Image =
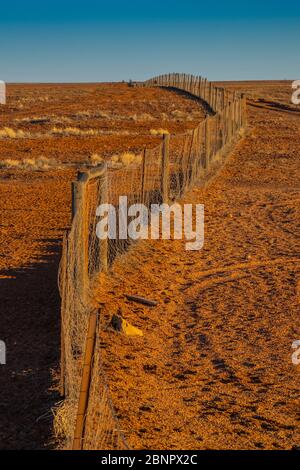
178,114
62,412
141,117
95,159
9,133
73,131
40,163
126,159
159,131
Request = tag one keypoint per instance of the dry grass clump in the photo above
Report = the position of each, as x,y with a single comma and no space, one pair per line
91,114
83,114
60,119
95,159
40,163
73,131
178,114
64,416
142,117
102,115
9,133
146,117
159,131
125,159
10,163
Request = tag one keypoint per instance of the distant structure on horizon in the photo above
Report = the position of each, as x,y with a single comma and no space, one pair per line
2,92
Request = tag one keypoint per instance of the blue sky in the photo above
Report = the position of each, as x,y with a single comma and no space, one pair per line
113,40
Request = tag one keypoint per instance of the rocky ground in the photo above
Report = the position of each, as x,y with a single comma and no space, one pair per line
213,369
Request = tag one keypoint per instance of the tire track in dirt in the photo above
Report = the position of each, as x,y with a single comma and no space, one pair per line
273,106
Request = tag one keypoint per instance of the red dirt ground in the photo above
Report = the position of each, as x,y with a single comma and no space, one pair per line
122,115
35,210
213,369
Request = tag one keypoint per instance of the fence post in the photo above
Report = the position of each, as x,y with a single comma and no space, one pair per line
76,197
215,98
143,176
244,110
207,143
165,168
210,94
103,245
82,254
62,280
85,381
223,98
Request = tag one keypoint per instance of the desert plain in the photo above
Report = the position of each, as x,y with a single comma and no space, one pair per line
213,369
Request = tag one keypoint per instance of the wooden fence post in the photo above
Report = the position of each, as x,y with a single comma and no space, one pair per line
165,168
76,197
85,381
215,98
103,245
62,273
223,98
82,254
143,176
207,143
244,110
210,94
206,90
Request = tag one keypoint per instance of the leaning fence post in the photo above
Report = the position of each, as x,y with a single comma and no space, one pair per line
165,168
85,381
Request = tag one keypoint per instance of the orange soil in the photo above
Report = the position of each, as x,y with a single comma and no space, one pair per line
124,115
35,210
213,369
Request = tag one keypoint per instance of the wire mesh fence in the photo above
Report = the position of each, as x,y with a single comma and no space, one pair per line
86,418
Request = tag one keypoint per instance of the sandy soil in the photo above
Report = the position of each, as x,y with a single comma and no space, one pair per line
35,210
121,118
213,369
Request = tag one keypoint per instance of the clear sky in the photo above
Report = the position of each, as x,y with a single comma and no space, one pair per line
72,41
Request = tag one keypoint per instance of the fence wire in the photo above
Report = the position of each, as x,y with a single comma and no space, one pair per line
172,167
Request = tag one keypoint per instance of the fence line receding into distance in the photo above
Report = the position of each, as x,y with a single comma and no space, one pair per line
86,418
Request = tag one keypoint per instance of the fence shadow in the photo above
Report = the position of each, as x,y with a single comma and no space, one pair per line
207,108
30,327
